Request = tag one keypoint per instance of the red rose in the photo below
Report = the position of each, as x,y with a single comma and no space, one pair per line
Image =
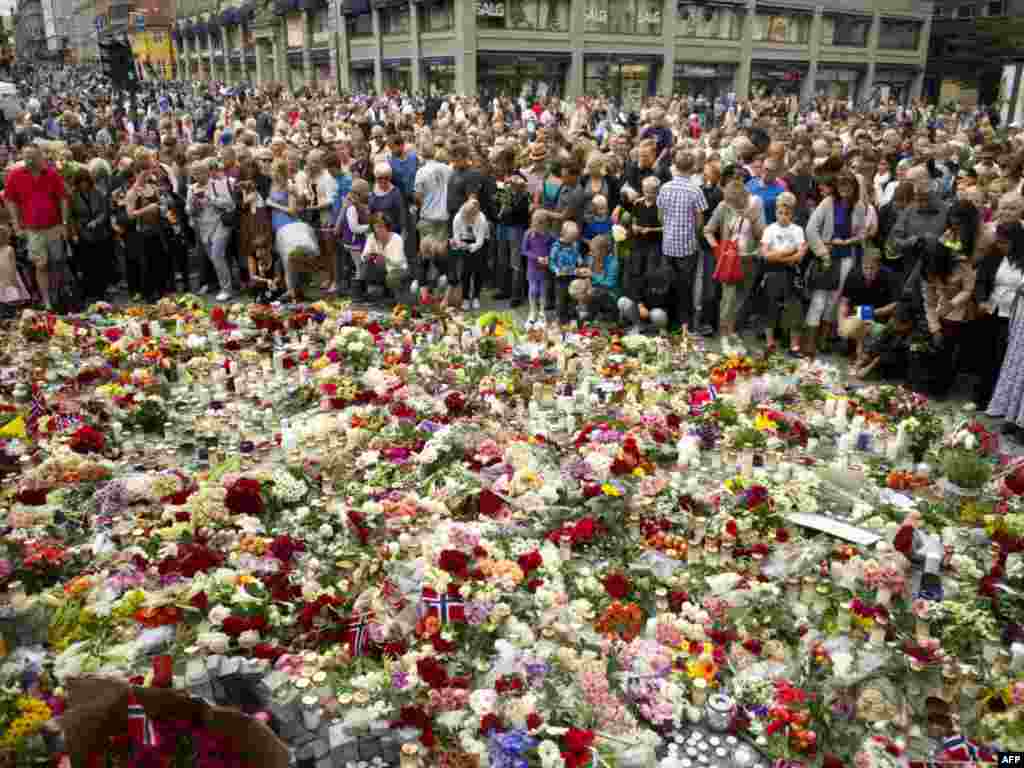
617,586
732,529
489,503
781,535
531,561
584,529
33,497
199,601
577,740
534,721
534,584
591,490
87,440
267,651
441,645
244,498
235,625
432,672
452,561
490,722
904,540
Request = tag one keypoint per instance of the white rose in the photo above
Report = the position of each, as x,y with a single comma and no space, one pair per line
550,754
970,441
214,642
249,639
218,614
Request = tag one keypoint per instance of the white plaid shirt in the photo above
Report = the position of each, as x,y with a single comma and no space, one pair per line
679,201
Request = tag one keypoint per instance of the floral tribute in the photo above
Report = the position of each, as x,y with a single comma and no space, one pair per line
551,549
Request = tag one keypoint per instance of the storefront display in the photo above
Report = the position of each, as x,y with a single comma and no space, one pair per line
710,22
439,75
397,74
837,82
778,78
626,80
781,26
630,17
362,76
529,76
707,80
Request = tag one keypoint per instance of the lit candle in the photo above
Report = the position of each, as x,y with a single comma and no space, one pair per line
699,691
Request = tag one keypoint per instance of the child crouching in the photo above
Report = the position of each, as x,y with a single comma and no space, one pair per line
598,295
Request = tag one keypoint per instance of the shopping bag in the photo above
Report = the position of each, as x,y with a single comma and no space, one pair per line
728,264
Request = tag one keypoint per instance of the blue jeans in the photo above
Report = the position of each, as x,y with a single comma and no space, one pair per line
214,247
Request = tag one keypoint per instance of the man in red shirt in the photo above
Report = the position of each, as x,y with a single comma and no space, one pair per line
37,201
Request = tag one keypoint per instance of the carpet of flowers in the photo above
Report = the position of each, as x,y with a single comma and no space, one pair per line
527,548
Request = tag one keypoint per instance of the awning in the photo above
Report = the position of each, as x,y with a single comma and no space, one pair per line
355,7
382,4
311,5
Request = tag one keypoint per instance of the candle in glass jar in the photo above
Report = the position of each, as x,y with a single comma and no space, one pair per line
698,691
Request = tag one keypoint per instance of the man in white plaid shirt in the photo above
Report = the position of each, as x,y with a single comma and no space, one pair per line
682,207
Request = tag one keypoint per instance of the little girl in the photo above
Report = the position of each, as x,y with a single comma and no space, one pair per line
536,247
264,271
12,288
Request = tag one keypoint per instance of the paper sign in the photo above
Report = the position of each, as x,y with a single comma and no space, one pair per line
840,530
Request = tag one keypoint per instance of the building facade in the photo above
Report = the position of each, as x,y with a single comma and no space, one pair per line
626,49
975,52
147,24
30,34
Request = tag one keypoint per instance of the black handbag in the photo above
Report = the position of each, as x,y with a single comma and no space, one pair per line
230,218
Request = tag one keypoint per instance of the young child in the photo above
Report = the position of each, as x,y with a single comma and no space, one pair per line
12,289
432,252
535,249
599,294
783,247
888,349
263,268
646,231
600,223
565,262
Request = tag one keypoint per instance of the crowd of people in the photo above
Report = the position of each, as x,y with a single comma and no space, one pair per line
892,234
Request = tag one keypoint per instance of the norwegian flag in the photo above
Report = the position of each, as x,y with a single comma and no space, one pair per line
448,607
140,727
357,635
957,749
393,595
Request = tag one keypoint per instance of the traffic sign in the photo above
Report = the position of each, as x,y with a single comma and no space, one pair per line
140,22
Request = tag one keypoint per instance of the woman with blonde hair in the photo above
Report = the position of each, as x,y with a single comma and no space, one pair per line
740,218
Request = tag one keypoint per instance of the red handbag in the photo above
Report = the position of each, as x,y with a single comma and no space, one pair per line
728,263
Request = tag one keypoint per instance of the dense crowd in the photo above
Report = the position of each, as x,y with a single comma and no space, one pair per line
895,232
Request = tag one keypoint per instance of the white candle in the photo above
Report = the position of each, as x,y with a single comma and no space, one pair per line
830,408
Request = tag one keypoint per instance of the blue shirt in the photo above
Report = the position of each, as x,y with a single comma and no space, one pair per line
768,195
404,173
608,278
564,259
597,227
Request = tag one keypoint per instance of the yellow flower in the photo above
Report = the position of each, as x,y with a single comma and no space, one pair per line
763,424
639,472
610,490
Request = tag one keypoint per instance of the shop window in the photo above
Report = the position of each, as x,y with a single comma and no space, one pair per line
902,35
845,30
995,8
965,12
394,20
783,27
543,15
360,26
436,16
623,17
710,22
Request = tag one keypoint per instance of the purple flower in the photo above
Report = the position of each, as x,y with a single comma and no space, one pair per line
477,612
399,680
428,426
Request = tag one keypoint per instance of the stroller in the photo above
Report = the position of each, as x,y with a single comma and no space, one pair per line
66,294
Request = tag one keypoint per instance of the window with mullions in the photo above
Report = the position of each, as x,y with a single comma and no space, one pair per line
394,20
541,15
710,22
360,26
903,35
623,17
845,30
782,27
436,16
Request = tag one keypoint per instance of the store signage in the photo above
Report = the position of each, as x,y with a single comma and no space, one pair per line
649,17
490,8
597,16
691,70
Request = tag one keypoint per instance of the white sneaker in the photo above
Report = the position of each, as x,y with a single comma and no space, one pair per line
542,318
532,318
465,305
414,289
223,296
476,303
203,290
